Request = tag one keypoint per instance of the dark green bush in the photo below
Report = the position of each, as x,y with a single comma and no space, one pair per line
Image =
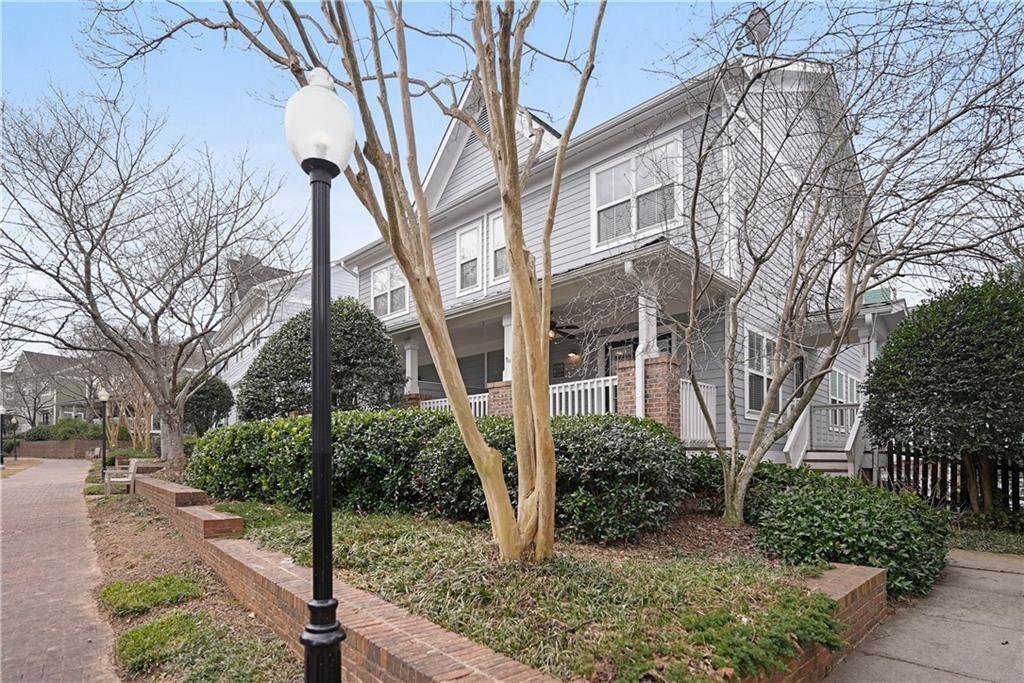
269,460
769,480
616,476
844,520
73,428
38,433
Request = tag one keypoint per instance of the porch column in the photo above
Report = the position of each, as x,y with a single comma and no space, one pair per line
412,367
647,343
506,371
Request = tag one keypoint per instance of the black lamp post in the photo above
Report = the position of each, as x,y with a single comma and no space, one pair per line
3,419
103,395
321,136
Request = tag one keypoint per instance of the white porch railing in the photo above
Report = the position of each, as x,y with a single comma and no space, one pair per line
477,403
831,426
585,397
693,428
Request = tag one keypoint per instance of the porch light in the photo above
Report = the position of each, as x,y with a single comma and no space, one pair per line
321,136
573,357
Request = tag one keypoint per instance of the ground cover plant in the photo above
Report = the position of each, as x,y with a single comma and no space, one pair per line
594,612
138,597
998,531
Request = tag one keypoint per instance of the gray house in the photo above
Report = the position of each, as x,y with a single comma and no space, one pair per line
615,214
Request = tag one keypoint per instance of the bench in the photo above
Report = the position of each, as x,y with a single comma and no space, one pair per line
119,475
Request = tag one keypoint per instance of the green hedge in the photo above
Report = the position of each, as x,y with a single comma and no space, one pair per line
844,520
616,476
68,429
269,460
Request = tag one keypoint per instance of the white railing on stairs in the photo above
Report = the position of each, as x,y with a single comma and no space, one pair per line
693,428
799,440
585,397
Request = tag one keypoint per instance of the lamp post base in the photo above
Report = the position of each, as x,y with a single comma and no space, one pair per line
322,642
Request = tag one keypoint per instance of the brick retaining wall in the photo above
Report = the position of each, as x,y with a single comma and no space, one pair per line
860,592
384,643
73,449
387,644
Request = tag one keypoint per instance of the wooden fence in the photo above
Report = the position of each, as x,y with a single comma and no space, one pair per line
941,481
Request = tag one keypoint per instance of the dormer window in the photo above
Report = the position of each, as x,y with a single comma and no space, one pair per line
388,291
634,195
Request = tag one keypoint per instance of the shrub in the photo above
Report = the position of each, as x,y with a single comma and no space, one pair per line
365,368
770,479
73,428
38,433
616,476
269,461
128,453
844,520
208,405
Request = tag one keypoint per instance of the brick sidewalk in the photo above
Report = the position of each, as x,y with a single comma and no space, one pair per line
50,626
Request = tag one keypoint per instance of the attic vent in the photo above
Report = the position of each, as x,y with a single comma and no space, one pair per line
483,122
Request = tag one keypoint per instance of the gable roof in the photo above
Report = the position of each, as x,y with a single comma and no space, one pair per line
458,137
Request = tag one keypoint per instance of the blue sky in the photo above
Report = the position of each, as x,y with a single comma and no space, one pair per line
229,100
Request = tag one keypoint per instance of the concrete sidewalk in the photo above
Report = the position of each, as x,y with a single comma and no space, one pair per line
969,628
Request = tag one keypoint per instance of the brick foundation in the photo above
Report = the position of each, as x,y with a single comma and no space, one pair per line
661,380
74,449
499,398
384,643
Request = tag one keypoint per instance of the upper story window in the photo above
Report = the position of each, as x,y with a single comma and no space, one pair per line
498,249
635,194
468,249
842,387
760,370
388,291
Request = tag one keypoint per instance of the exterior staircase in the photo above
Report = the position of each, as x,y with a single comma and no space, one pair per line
830,463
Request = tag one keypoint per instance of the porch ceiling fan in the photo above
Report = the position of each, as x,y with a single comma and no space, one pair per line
561,331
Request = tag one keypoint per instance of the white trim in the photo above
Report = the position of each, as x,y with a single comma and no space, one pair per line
675,144
491,218
388,265
478,226
768,372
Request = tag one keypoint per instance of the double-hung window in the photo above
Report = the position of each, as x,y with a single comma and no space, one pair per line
635,194
388,291
760,355
498,250
842,388
468,249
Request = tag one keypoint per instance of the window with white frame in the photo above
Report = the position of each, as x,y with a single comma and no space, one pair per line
498,250
388,291
635,194
468,248
760,352
842,389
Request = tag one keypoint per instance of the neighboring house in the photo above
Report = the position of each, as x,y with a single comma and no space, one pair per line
43,388
264,305
612,215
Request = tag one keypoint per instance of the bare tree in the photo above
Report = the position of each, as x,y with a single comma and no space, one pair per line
126,237
387,179
853,146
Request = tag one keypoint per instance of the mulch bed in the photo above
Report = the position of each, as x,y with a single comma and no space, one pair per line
135,542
